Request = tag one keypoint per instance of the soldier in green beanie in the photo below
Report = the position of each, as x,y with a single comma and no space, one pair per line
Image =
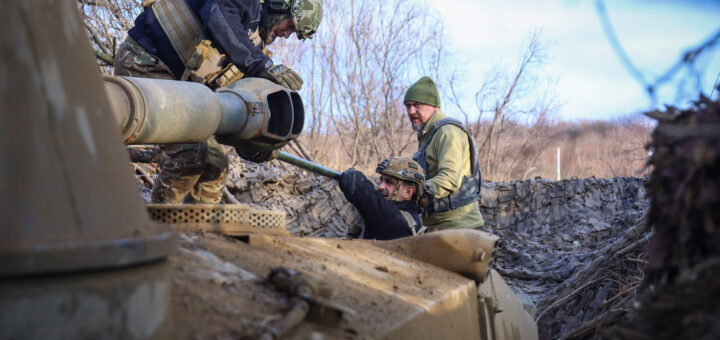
448,154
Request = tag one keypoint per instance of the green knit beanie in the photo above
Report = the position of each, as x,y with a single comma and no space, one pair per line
423,91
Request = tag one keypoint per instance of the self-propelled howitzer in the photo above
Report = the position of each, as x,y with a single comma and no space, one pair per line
80,258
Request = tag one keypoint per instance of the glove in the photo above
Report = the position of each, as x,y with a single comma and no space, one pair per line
349,179
284,76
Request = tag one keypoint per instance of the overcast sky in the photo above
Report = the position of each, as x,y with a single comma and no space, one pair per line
592,82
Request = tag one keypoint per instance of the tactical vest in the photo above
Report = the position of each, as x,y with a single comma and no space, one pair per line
412,223
469,190
203,62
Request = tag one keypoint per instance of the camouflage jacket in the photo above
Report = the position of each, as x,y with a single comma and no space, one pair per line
227,23
448,160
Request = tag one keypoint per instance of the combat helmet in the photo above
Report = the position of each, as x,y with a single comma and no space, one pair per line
405,169
306,14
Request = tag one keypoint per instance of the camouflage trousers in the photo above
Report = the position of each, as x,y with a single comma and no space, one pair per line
190,173
197,169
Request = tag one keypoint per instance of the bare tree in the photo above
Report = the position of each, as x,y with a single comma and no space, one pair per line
513,114
106,22
358,66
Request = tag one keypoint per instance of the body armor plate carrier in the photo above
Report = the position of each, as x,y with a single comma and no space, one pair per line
203,62
469,190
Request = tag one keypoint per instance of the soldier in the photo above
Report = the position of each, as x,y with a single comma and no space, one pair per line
215,42
392,210
448,155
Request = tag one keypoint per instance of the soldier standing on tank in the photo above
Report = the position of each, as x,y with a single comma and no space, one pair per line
214,42
448,155
392,210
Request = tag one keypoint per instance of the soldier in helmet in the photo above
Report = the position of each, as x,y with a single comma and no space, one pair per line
390,211
214,42
448,155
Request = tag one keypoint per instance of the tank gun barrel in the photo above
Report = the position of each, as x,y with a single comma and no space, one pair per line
253,114
307,165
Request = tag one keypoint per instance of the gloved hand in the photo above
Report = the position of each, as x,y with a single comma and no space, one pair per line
284,76
349,180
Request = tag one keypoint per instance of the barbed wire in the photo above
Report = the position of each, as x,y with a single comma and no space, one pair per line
687,60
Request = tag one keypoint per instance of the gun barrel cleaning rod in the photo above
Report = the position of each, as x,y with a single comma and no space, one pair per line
307,165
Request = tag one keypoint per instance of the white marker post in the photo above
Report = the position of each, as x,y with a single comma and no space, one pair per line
558,162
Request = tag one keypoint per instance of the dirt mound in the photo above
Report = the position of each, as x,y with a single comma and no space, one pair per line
680,294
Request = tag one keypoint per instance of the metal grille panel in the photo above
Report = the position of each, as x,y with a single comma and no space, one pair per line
229,219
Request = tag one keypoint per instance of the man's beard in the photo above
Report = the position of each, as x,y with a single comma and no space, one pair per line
266,27
417,128
384,193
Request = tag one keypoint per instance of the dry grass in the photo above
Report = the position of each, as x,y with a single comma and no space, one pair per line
588,148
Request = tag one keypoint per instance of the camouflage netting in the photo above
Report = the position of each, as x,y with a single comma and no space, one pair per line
550,229
573,246
599,293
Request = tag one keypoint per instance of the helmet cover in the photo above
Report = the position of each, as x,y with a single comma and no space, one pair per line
405,169
306,15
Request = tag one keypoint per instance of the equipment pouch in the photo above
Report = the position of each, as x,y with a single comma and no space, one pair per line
206,65
204,60
228,75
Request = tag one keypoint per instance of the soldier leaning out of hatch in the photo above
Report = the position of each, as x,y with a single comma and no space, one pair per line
392,210
214,42
448,155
